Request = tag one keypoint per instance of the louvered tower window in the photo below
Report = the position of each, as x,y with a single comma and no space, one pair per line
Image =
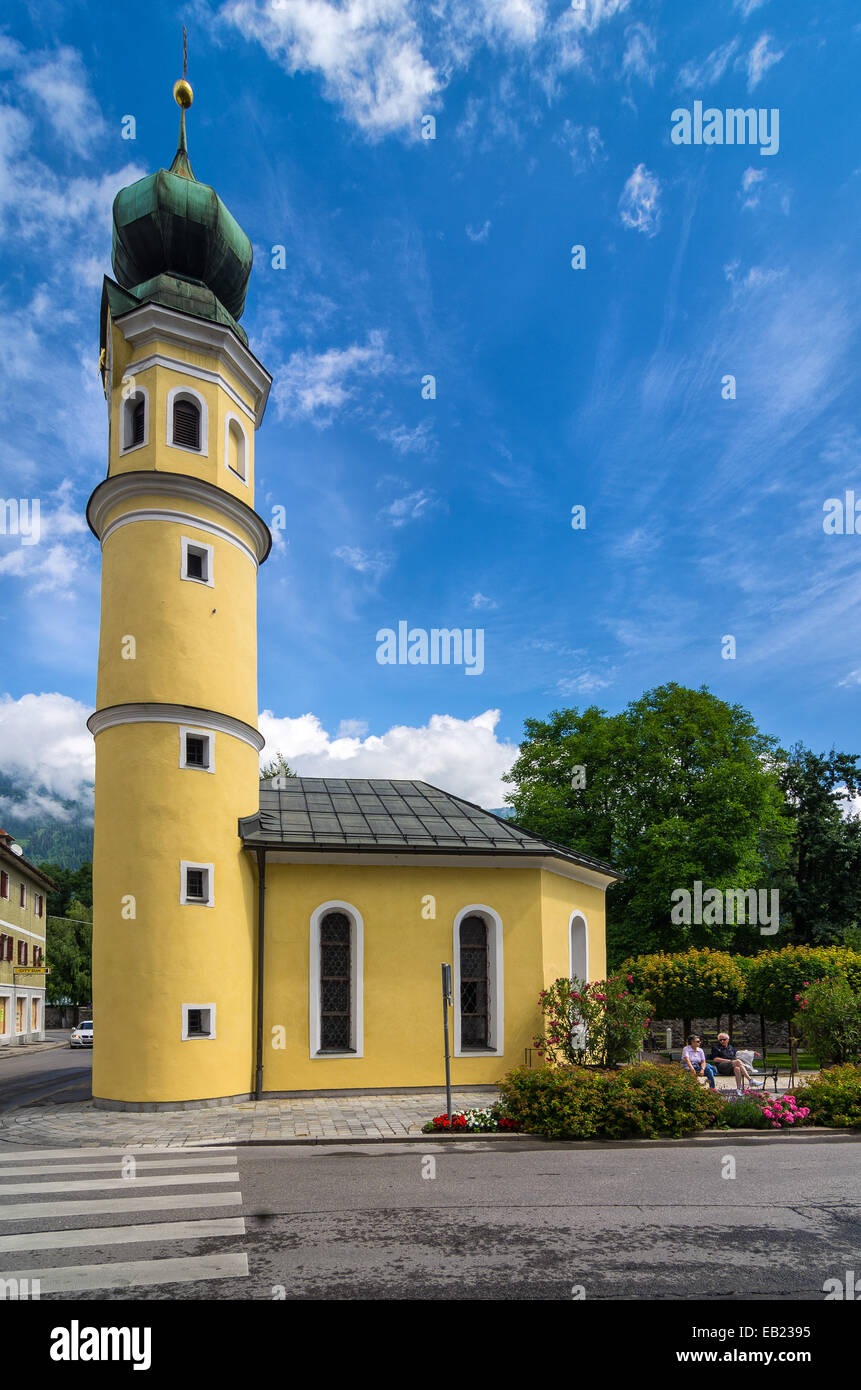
473,982
186,424
335,984
137,423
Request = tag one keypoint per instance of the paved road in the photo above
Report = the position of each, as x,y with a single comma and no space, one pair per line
63,1073
529,1222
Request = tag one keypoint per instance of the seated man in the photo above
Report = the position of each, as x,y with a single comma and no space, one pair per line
727,1063
694,1059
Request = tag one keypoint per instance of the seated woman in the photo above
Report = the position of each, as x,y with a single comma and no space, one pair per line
727,1063
694,1059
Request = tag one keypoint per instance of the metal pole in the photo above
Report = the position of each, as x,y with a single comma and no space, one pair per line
446,1000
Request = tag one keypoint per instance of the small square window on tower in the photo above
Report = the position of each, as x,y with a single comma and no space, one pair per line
197,562
197,749
196,884
198,1021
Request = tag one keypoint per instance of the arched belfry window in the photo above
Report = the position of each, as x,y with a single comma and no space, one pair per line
478,982
236,448
134,428
474,990
186,424
137,422
187,420
336,986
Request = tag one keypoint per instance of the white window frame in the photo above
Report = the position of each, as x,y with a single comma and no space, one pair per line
209,900
128,404
577,915
496,982
232,418
357,983
198,1037
187,543
207,734
179,393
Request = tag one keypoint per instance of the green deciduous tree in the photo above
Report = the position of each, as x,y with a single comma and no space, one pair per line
69,950
820,884
680,786
691,984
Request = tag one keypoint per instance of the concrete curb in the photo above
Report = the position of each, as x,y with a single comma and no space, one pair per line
27,1049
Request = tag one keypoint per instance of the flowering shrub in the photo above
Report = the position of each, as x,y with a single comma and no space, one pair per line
784,1112
602,1022
490,1119
834,1098
645,1101
741,1112
829,1020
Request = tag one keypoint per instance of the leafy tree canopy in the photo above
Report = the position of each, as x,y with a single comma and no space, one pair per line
680,786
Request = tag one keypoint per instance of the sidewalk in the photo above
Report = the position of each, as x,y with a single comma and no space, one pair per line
376,1117
25,1049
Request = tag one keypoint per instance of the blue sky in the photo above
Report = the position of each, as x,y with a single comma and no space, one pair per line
554,387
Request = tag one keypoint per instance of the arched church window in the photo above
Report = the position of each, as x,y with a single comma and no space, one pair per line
186,424
474,993
335,983
134,420
236,449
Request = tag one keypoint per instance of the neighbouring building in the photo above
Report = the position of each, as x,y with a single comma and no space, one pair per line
287,936
23,915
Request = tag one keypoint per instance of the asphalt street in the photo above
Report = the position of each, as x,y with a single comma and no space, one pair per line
62,1073
437,1221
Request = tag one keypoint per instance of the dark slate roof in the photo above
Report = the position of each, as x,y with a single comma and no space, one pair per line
328,813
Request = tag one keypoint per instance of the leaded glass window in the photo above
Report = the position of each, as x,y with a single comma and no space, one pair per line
473,982
335,983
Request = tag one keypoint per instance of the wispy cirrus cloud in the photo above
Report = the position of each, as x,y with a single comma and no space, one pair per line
640,202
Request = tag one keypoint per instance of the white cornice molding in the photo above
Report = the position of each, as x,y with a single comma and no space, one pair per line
154,322
124,487
153,712
158,359
442,860
184,519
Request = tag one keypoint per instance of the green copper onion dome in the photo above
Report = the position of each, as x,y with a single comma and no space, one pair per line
170,230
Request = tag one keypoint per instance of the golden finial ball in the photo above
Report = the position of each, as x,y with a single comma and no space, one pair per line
182,93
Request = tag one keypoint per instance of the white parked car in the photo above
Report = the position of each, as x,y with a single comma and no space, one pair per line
82,1034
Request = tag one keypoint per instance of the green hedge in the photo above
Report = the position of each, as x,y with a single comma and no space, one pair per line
833,1098
638,1102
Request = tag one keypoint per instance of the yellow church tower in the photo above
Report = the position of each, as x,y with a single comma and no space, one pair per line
175,726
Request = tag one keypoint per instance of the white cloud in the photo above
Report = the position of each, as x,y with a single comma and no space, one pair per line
584,684
480,600
46,746
478,233
749,181
410,508
747,7
759,60
59,84
853,678
519,21
711,69
639,203
368,52
638,58
463,756
315,385
585,146
362,561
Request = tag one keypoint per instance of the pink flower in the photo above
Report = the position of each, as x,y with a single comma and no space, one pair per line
775,1124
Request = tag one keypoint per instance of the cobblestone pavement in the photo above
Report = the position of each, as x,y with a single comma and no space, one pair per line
383,1116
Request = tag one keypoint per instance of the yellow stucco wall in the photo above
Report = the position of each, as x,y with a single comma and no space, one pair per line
403,952
150,815
159,381
560,897
184,651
